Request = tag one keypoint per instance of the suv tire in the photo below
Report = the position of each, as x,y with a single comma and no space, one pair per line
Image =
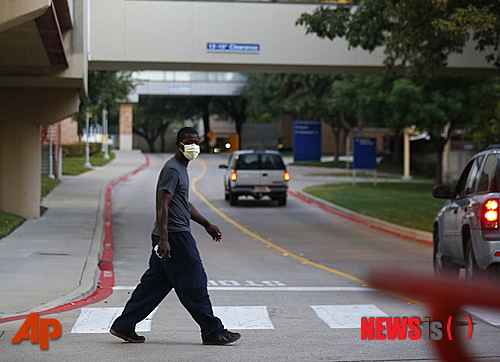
441,268
472,271
233,199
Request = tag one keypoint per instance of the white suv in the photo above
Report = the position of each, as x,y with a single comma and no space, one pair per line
257,174
466,229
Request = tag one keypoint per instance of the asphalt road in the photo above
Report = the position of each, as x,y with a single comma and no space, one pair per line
290,279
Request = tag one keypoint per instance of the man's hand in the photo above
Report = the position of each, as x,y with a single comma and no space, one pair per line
214,232
163,249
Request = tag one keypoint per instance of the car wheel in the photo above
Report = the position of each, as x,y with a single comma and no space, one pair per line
472,271
226,195
233,199
282,201
440,266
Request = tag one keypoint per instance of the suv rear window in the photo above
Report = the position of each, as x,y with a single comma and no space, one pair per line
490,177
259,161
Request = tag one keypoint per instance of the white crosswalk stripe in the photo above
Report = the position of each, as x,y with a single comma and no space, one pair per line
244,317
99,320
346,316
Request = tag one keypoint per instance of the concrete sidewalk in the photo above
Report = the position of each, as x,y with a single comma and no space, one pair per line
53,260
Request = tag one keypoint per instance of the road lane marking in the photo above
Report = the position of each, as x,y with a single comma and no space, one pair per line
261,239
346,316
275,289
99,320
244,317
279,248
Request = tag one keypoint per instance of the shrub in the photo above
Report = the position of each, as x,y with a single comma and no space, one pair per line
78,149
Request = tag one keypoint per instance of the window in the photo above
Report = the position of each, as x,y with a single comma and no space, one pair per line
248,162
490,177
258,161
272,162
473,178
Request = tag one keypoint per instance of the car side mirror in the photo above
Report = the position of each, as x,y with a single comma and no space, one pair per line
222,166
442,192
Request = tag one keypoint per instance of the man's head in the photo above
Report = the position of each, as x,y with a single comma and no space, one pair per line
183,132
188,143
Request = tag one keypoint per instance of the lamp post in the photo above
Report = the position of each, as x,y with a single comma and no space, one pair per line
105,134
87,147
51,159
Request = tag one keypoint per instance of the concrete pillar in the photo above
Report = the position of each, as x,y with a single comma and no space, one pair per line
20,168
22,110
126,119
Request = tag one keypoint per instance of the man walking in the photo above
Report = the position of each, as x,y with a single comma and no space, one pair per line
175,261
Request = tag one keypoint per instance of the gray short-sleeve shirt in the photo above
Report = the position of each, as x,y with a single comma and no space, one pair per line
174,179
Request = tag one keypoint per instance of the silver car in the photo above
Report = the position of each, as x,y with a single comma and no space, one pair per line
466,229
256,174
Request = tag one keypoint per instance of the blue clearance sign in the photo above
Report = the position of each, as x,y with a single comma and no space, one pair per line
365,153
306,140
233,48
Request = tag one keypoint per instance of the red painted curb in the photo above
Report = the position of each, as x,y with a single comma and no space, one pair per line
359,221
107,277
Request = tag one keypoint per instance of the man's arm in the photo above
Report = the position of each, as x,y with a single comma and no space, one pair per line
164,199
211,229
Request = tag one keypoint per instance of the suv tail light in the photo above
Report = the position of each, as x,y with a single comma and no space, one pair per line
489,215
286,176
233,175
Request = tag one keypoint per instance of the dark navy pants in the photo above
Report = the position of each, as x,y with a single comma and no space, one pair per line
184,273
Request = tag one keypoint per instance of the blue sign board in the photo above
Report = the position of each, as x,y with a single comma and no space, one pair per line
306,140
233,48
365,153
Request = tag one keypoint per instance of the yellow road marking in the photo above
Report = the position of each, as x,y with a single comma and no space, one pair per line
269,244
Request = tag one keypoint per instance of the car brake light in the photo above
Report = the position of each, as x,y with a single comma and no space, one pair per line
489,216
286,176
233,175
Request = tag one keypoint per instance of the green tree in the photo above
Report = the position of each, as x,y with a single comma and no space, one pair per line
261,92
154,115
485,124
307,96
105,89
418,36
404,99
443,104
359,99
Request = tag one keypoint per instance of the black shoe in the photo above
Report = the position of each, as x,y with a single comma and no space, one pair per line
131,337
224,337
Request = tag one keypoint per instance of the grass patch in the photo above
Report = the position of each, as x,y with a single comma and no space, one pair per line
48,185
335,164
348,175
9,222
407,204
76,165
385,167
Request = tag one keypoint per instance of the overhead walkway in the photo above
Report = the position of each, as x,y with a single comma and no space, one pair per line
227,37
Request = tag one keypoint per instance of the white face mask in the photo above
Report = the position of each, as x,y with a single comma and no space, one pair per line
190,151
